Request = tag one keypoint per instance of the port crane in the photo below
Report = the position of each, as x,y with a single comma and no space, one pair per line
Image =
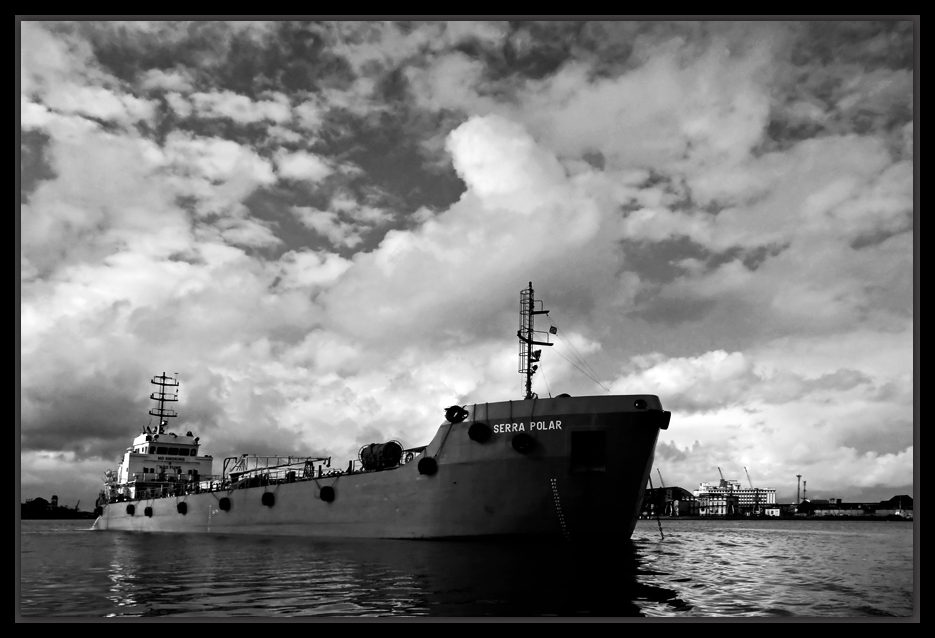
756,493
663,484
724,483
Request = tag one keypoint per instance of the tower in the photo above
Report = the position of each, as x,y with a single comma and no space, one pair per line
798,494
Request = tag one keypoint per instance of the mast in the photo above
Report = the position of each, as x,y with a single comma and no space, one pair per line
526,332
163,397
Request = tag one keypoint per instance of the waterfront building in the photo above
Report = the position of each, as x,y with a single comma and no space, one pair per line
728,497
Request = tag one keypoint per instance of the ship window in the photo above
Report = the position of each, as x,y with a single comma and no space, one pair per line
173,451
192,452
160,450
588,451
152,450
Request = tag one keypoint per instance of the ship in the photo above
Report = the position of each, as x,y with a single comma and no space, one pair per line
563,468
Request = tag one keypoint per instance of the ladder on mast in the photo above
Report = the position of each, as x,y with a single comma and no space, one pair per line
526,333
163,397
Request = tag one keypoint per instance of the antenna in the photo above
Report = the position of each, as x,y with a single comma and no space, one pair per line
163,397
526,332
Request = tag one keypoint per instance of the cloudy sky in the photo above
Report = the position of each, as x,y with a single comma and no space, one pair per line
323,229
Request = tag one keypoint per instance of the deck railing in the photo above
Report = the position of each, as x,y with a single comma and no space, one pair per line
148,487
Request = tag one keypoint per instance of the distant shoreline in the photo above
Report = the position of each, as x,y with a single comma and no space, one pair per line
891,519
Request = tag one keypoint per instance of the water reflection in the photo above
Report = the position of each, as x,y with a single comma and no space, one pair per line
701,568
154,575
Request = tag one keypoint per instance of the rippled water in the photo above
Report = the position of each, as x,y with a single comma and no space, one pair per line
700,568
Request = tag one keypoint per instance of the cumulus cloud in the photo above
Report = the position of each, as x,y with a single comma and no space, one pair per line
241,108
176,80
302,165
710,216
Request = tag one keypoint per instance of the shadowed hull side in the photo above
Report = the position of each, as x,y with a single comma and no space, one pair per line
581,478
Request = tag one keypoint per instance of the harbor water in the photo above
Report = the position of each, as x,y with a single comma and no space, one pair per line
693,569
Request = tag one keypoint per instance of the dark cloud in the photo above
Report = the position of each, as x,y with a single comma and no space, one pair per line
657,262
890,437
844,77
671,452
35,163
872,44
273,205
670,311
292,56
388,147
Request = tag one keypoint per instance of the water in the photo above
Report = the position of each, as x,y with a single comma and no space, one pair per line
701,568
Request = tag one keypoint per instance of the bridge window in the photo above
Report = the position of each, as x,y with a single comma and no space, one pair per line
173,451
160,450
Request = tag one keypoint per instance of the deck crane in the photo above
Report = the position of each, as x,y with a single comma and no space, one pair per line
660,478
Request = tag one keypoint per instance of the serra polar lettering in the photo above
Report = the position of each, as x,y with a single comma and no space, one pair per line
521,427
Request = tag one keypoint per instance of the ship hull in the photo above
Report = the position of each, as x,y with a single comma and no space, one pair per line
581,478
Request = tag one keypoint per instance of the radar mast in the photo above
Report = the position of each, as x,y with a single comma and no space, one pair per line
527,356
162,397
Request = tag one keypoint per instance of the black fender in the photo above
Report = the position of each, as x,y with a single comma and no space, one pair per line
523,443
479,432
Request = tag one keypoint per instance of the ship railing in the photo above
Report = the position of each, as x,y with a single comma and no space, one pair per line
152,489
148,485
164,477
282,474
246,463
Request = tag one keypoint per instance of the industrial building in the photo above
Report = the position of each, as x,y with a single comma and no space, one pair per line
669,501
729,498
898,507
